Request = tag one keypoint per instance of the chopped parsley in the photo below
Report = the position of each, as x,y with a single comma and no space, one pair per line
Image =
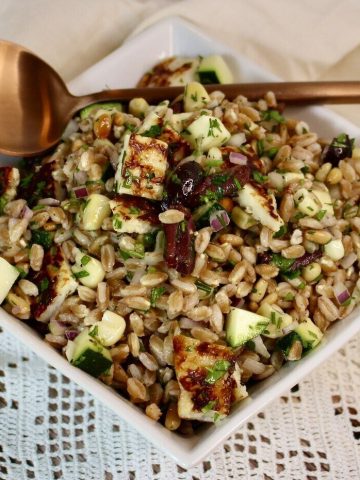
174,178
94,331
40,187
272,115
259,177
134,210
42,237
320,215
213,124
85,260
25,182
117,223
289,297
217,371
22,272
237,183
219,179
203,287
44,285
209,406
292,275
281,232
281,262
155,294
154,131
130,127
3,202
81,274
194,97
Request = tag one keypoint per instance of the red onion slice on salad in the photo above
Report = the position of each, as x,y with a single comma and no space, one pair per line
342,294
219,220
238,158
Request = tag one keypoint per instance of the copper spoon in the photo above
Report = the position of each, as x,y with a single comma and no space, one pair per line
35,105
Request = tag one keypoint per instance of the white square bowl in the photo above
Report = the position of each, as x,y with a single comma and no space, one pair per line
123,68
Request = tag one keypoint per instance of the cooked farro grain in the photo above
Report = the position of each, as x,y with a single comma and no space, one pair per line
171,260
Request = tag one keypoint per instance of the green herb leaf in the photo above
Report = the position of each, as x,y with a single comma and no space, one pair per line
81,274
93,332
42,237
213,123
85,260
281,232
259,177
117,223
209,406
22,272
289,297
25,182
292,275
218,371
43,285
134,210
204,287
320,215
272,115
155,294
154,131
3,202
281,262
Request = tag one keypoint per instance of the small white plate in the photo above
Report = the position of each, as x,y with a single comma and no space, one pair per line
123,68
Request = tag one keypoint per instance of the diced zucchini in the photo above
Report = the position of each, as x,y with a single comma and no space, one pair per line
96,210
335,249
8,275
242,326
307,203
291,346
89,355
88,270
195,97
108,106
323,195
278,320
110,329
309,333
201,215
242,219
213,69
206,132
261,205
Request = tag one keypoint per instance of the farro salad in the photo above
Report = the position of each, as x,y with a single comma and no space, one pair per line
180,252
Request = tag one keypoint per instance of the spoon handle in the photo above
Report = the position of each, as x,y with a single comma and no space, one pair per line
294,93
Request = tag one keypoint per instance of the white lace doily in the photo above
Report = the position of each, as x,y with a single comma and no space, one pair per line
51,429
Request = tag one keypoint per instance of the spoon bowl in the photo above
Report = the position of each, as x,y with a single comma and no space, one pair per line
36,104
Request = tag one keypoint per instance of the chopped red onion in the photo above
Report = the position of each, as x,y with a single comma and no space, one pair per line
71,334
26,213
219,220
349,260
341,292
80,192
238,158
